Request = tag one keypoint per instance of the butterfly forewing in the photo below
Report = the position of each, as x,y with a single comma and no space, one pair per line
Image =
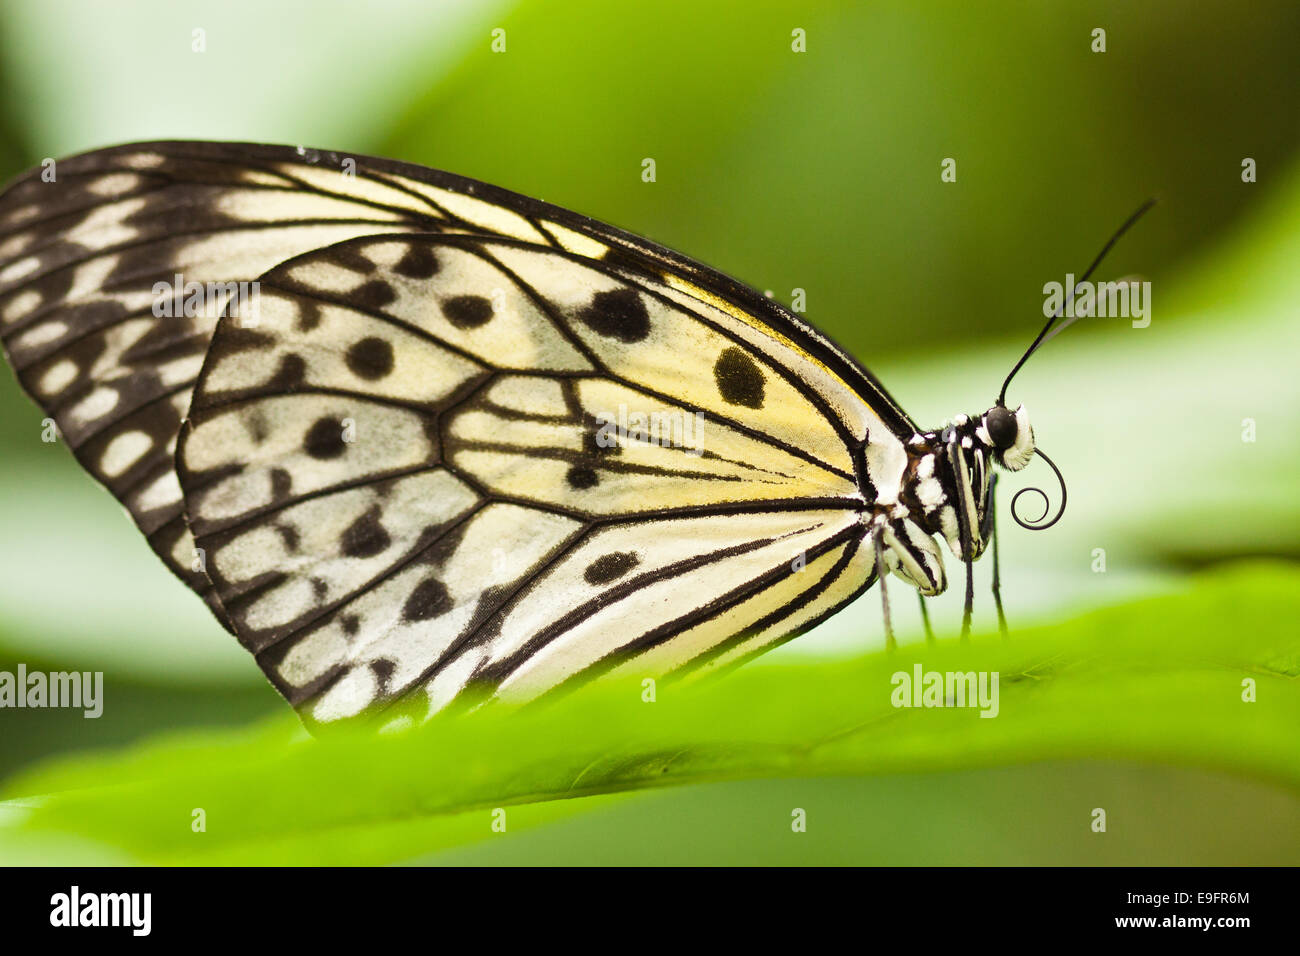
444,461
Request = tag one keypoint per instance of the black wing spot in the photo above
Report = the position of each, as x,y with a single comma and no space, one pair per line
740,381
419,262
467,311
309,316
351,624
383,669
289,535
580,476
594,444
374,294
256,424
371,358
429,599
610,567
290,375
281,484
325,439
351,258
365,537
617,314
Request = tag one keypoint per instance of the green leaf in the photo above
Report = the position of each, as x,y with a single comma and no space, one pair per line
1159,680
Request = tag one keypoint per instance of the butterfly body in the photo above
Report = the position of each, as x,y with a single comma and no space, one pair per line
946,491
421,439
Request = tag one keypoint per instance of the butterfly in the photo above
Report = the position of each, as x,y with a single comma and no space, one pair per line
419,441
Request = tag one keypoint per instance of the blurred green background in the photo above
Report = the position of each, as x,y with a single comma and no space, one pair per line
818,171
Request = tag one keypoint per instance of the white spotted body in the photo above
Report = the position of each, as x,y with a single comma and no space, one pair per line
948,485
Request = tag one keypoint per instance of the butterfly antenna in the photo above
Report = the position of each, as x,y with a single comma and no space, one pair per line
1039,524
1042,336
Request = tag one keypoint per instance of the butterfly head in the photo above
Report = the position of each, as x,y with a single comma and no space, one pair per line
1008,436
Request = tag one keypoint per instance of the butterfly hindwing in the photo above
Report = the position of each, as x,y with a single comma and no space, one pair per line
81,258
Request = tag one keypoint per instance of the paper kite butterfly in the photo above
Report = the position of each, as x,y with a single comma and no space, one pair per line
418,440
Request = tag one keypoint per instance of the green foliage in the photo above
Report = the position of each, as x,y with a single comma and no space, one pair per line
815,170
820,170
1158,680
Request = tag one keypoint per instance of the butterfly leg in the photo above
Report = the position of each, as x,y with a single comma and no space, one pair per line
925,618
878,539
990,532
964,534
970,599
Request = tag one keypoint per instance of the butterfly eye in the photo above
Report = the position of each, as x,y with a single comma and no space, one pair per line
1001,424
